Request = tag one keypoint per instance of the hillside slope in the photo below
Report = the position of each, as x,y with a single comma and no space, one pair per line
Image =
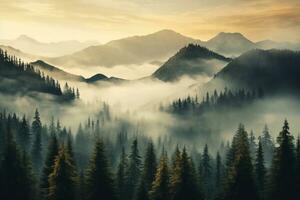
192,61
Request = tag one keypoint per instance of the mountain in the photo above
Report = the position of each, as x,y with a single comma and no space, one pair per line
59,74
269,44
53,49
132,50
230,44
97,78
56,72
16,77
274,71
16,52
192,60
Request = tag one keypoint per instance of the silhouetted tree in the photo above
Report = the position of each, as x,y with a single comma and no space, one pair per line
99,178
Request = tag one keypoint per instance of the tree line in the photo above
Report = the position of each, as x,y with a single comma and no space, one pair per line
23,77
45,162
215,101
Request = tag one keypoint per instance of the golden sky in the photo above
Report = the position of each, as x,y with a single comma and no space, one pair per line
104,20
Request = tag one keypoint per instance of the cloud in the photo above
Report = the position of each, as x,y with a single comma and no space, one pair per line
105,19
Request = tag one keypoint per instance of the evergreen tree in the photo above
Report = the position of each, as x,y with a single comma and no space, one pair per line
160,189
298,164
62,180
239,178
122,174
252,146
24,135
36,129
218,174
183,182
148,174
260,171
99,178
282,182
206,174
52,153
16,180
134,169
267,146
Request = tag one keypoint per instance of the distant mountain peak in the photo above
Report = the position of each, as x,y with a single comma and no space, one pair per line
96,77
24,37
231,36
191,60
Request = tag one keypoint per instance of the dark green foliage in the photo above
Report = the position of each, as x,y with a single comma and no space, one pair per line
52,153
25,77
148,174
134,169
265,66
62,180
23,136
99,178
282,183
183,182
239,183
260,171
218,175
298,164
267,146
36,151
16,179
206,174
160,189
122,174
215,101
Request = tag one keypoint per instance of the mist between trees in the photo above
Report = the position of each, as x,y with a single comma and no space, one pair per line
47,161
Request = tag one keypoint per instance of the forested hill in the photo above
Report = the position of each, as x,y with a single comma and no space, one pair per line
17,77
191,60
274,71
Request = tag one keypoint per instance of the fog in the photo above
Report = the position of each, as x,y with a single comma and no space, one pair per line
137,104
130,72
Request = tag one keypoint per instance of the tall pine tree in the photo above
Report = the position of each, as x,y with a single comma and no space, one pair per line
62,180
36,129
99,178
148,174
160,189
134,169
282,184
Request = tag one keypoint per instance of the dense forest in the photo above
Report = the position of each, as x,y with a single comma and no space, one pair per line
48,161
216,101
21,78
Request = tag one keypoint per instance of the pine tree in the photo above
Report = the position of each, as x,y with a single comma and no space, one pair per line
134,169
239,176
298,164
267,146
24,135
148,174
252,146
218,174
70,148
36,129
206,174
122,174
52,153
16,180
282,182
160,189
99,178
62,180
183,182
260,171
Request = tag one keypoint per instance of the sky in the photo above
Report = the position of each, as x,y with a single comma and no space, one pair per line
105,20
